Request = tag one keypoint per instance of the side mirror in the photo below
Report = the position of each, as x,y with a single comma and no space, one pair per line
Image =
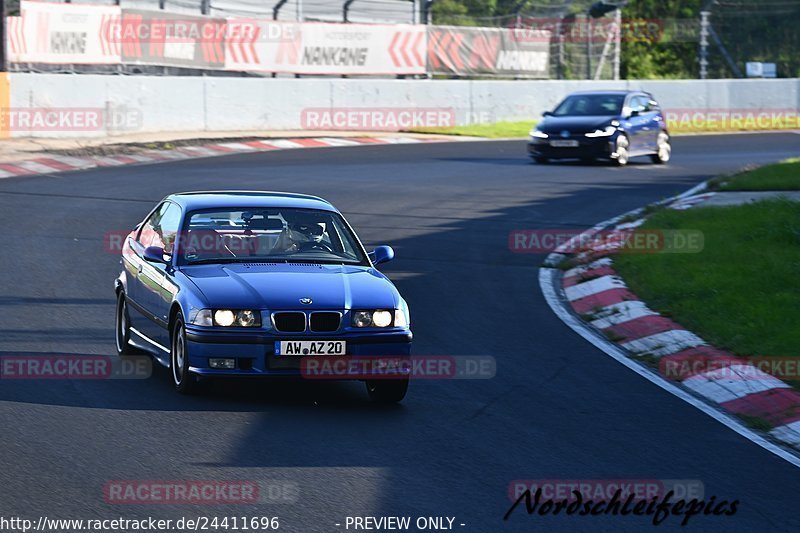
547,114
154,254
381,254
635,113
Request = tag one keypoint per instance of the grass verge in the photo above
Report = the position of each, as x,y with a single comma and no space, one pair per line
498,130
741,292
520,129
783,176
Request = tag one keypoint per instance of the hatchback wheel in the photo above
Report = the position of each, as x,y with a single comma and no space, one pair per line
664,149
621,150
185,382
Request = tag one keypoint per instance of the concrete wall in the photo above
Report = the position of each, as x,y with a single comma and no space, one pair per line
195,104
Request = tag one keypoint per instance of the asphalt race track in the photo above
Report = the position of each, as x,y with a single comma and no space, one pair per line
558,408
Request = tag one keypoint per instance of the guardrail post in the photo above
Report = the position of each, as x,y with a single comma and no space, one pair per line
346,9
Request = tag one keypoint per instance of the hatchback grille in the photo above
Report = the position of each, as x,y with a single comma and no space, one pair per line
325,321
290,322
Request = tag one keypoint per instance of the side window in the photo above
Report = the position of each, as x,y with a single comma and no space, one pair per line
638,103
162,227
147,231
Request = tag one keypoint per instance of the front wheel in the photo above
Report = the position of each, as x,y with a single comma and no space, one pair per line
622,150
664,153
387,390
185,382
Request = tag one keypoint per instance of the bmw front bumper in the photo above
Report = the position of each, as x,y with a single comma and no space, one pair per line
254,352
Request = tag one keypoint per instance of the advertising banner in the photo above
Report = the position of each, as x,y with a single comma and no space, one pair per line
171,39
320,48
65,33
462,51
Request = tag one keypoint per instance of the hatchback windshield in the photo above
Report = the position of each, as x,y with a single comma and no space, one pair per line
273,235
584,105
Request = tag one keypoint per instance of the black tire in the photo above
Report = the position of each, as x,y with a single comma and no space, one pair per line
540,160
664,153
387,390
184,381
621,149
123,328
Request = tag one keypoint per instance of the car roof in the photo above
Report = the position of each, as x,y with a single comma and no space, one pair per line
195,200
622,92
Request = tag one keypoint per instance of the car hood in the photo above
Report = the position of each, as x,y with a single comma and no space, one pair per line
281,286
588,124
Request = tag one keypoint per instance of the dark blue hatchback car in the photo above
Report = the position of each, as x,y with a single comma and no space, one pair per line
251,283
613,125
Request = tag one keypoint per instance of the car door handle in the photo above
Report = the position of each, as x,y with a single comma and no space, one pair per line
140,268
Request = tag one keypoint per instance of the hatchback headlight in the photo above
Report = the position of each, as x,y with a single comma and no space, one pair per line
536,134
607,132
373,318
241,318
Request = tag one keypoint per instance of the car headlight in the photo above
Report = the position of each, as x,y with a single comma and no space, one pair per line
242,318
378,318
536,134
607,132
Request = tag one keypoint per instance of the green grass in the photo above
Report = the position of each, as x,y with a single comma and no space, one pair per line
783,176
520,129
492,131
742,292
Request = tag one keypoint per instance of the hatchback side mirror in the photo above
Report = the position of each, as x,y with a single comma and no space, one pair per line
154,254
547,114
381,254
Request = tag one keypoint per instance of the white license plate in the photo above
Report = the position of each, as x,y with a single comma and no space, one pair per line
310,348
564,144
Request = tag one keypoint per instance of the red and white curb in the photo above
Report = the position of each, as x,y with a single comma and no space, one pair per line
52,163
630,330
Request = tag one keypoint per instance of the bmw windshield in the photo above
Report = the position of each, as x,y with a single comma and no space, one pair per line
590,105
270,235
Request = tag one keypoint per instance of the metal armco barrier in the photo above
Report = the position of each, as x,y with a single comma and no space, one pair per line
75,34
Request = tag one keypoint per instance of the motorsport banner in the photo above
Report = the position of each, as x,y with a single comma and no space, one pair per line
324,48
172,39
462,51
64,34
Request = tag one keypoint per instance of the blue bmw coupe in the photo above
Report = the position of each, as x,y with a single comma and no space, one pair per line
241,283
